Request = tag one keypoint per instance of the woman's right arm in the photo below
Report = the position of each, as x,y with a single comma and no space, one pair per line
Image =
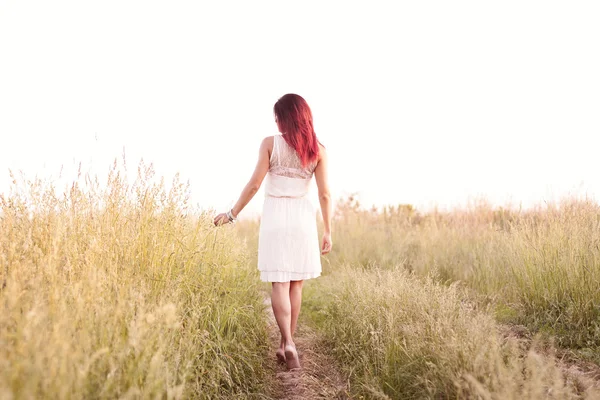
324,199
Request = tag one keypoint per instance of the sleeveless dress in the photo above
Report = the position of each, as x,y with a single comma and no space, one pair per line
288,243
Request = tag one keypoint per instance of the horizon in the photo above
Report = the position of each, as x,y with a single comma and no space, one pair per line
62,184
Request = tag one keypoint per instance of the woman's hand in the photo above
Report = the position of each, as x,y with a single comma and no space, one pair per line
221,219
327,243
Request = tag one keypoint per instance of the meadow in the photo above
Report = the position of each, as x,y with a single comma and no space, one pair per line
473,303
479,302
121,289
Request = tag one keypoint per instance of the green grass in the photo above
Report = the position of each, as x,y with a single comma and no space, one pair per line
403,337
419,305
540,267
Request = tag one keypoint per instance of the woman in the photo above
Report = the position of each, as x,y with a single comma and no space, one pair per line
288,247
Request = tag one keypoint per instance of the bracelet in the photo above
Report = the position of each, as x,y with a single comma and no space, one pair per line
230,216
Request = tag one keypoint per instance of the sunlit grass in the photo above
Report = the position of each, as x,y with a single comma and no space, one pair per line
121,290
540,267
402,337
418,305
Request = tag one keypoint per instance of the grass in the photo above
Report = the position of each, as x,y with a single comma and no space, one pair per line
418,305
122,290
540,268
404,337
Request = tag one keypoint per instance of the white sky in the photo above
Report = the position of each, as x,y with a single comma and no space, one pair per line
417,102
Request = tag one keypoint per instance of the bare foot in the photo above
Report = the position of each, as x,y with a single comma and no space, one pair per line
280,353
291,357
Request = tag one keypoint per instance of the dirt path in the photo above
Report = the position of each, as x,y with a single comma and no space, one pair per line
319,377
584,375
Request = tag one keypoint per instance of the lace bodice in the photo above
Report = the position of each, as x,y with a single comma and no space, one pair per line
285,161
287,177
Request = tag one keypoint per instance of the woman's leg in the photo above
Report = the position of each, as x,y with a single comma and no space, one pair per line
282,309
296,303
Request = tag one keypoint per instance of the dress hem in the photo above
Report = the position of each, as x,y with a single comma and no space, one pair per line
287,276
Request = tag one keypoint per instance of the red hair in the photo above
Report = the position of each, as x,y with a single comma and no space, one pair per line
296,123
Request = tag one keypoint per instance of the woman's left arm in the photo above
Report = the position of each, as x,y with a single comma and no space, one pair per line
261,169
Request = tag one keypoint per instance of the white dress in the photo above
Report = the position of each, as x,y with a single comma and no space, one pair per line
288,243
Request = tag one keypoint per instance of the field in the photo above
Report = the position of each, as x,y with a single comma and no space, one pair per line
123,290
119,290
482,302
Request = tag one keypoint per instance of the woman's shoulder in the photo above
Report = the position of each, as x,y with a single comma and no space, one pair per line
267,145
322,152
268,141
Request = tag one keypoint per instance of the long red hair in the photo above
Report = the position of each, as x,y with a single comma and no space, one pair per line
295,120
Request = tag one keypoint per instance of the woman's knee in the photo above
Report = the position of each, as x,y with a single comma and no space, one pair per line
280,285
296,285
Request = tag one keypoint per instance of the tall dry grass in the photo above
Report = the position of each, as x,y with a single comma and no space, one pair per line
540,267
415,305
402,337
122,290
